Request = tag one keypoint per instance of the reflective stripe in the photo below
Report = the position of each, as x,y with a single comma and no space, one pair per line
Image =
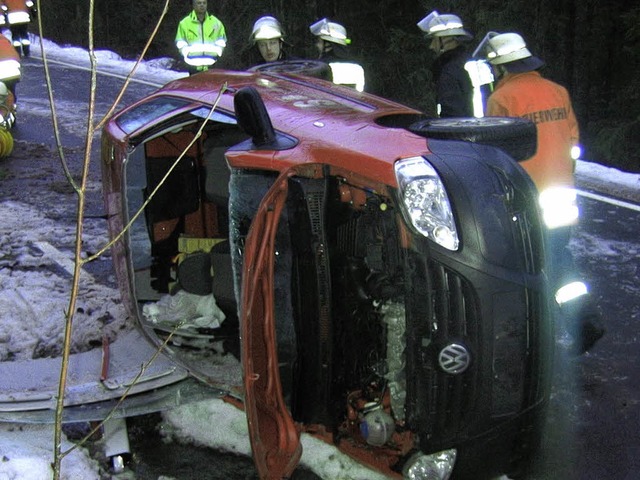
570,292
9,70
18,17
202,47
478,101
201,53
350,74
7,121
559,206
200,61
481,74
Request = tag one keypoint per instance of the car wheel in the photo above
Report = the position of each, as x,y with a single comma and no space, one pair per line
310,68
516,136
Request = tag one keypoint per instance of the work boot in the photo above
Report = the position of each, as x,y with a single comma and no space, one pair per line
591,330
589,326
580,325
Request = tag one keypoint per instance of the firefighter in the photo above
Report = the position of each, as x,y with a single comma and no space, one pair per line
18,16
201,38
268,39
332,42
522,91
454,88
10,74
10,68
6,122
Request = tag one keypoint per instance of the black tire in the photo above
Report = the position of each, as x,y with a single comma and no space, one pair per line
309,68
516,136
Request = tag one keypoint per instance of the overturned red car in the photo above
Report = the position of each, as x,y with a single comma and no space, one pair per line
340,265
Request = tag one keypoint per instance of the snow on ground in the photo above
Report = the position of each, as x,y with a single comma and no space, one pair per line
108,62
184,424
31,315
34,290
596,171
26,455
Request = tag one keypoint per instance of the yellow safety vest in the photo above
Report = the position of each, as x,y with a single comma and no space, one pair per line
201,43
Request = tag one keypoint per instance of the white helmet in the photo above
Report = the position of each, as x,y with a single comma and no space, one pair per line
266,28
510,50
446,25
330,31
506,47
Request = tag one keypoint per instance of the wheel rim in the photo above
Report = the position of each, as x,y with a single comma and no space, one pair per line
471,122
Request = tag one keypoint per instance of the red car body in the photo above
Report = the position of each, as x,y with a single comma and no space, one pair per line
348,321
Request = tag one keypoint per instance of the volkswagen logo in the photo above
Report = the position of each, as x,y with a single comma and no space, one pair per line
454,358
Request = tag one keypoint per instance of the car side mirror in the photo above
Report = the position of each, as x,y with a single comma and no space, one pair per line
253,118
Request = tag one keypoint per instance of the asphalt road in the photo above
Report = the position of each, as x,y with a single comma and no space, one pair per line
596,395
594,414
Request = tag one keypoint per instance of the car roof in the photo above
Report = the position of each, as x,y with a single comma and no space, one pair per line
337,124
294,94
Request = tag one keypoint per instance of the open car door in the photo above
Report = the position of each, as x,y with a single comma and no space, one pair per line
275,440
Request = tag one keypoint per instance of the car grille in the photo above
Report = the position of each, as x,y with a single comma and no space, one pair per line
497,381
452,314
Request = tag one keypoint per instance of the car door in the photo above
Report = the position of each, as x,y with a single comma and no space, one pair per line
275,440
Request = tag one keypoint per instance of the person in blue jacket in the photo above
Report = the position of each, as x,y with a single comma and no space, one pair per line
454,89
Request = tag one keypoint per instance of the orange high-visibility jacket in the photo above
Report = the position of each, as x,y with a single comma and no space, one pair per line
17,12
17,5
548,105
7,51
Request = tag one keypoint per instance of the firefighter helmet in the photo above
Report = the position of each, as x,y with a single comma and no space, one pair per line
266,28
445,25
510,50
330,31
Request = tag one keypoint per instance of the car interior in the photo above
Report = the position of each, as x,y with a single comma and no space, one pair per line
179,243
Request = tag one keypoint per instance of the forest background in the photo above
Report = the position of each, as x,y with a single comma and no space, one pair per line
591,47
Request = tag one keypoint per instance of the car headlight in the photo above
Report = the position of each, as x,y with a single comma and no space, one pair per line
436,466
559,206
425,201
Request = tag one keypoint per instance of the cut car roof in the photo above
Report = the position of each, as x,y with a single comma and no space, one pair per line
326,117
